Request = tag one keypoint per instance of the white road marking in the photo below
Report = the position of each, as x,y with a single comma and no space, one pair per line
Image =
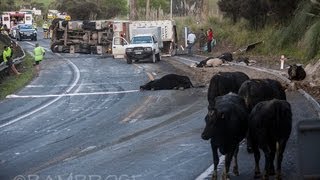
77,71
70,94
205,174
83,84
209,171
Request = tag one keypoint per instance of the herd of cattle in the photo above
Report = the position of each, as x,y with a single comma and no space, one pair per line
242,108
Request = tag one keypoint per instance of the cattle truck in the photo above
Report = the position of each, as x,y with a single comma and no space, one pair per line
81,36
168,36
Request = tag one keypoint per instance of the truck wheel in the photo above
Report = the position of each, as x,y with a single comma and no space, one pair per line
129,61
153,57
158,57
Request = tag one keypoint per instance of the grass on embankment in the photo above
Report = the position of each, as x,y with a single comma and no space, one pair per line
13,83
240,35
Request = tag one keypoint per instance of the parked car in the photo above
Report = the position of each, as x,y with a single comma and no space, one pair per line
25,31
13,32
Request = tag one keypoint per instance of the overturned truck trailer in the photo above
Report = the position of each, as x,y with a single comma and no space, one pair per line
81,36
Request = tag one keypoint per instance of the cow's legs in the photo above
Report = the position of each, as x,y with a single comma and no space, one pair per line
256,152
228,159
282,146
215,160
267,155
273,149
235,167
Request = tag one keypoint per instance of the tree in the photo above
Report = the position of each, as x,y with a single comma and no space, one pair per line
255,11
133,10
282,11
231,8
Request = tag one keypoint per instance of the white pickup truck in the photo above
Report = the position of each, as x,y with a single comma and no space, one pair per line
143,46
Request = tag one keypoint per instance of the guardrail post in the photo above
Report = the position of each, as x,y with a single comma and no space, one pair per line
309,149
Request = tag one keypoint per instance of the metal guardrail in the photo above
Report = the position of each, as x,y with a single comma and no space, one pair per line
17,60
308,149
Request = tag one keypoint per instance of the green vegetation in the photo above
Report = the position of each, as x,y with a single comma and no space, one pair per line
12,83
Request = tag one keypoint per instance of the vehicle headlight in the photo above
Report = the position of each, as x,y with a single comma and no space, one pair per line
129,50
148,49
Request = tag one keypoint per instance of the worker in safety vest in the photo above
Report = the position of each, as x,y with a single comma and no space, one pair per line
45,27
39,52
7,58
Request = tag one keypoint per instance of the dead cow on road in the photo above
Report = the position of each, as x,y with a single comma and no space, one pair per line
270,123
210,62
226,126
169,81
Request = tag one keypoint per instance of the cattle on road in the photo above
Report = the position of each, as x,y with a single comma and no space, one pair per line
270,124
225,82
296,72
256,90
169,81
226,126
210,62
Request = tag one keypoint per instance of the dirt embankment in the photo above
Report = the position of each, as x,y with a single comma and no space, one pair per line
202,76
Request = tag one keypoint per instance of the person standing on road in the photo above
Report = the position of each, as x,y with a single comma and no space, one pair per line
191,41
39,52
45,28
202,40
209,38
7,58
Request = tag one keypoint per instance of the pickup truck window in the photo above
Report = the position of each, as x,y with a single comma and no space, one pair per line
141,40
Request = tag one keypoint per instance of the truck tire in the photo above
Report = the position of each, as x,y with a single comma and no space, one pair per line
129,61
158,57
154,58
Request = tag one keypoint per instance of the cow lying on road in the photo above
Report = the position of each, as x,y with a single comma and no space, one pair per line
210,62
224,82
226,126
270,123
169,81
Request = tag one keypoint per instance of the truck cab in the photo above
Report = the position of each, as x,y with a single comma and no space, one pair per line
143,46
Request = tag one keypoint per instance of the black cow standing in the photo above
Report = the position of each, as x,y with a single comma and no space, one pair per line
256,90
169,81
270,124
225,82
296,72
226,126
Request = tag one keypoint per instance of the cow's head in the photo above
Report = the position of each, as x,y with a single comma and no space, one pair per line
292,71
212,118
147,86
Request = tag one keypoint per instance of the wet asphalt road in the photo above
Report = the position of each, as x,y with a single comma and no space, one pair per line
84,117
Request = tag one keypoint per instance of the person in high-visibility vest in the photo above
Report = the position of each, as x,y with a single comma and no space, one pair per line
7,58
45,28
39,52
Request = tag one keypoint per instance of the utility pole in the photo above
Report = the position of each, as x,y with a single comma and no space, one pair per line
171,9
147,9
133,9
